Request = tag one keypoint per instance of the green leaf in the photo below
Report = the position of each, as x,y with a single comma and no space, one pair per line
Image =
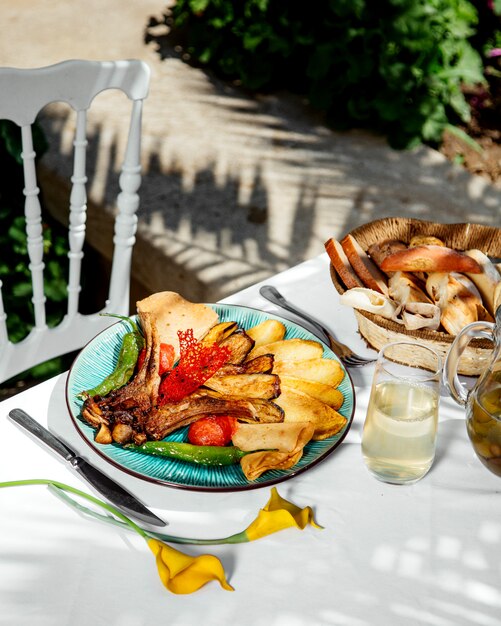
434,125
460,106
22,290
199,6
464,137
397,66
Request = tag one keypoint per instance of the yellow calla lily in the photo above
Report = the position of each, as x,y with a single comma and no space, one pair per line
279,514
181,573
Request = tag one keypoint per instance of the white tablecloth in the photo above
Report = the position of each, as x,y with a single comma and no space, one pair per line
425,554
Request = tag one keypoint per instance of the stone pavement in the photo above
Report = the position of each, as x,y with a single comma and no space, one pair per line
235,187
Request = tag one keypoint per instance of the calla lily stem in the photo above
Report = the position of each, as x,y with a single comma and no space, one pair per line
64,487
61,490
240,537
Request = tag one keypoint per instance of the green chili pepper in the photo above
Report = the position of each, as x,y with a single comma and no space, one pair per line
180,451
132,343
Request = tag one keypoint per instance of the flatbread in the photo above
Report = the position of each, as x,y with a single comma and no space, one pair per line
300,407
278,446
170,313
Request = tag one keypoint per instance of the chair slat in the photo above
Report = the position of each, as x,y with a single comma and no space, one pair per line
4,338
126,221
78,213
33,214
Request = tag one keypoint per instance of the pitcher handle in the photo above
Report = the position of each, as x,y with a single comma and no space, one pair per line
450,377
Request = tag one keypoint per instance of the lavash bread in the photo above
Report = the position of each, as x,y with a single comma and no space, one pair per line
487,281
458,299
172,313
369,300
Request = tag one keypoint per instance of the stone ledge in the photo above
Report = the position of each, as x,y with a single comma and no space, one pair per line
151,270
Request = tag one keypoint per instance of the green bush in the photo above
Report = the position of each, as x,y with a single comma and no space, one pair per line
395,66
14,271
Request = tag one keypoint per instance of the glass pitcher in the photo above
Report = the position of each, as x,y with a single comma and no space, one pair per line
483,402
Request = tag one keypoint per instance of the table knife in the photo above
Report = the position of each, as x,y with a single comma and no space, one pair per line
102,483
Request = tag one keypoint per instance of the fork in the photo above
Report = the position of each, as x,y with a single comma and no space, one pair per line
346,354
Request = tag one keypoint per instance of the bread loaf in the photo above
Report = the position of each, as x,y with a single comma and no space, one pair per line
365,268
430,258
380,250
341,264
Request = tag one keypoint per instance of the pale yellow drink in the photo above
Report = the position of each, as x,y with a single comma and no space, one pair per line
398,441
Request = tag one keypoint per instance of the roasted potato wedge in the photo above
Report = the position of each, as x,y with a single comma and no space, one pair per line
290,350
326,371
300,407
268,331
325,393
264,386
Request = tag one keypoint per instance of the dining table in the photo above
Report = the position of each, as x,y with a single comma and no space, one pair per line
427,553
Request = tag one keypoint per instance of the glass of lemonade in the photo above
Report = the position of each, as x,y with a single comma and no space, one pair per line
400,430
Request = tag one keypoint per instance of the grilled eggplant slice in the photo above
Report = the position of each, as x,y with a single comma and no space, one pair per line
219,332
240,344
266,386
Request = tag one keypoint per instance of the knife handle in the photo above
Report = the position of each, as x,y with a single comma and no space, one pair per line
40,432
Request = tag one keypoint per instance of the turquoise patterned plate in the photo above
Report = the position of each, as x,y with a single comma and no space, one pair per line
98,359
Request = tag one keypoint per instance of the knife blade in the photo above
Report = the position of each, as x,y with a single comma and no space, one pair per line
102,483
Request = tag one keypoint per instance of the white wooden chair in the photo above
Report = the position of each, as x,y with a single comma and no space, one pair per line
23,93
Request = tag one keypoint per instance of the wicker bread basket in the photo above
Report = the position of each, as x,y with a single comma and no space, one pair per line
379,331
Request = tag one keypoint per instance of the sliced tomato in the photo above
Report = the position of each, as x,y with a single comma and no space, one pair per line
213,430
228,424
166,358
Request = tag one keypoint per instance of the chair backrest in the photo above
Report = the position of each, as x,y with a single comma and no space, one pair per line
23,93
